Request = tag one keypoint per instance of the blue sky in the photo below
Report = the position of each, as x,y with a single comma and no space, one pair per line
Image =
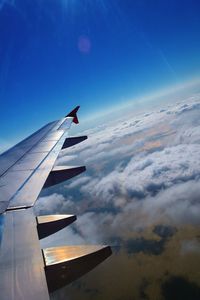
99,54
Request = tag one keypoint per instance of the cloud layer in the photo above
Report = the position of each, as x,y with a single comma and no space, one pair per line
142,170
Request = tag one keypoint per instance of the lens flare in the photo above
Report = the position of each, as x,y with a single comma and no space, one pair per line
84,44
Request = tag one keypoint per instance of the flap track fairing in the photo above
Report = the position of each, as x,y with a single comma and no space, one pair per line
50,224
71,141
66,264
60,174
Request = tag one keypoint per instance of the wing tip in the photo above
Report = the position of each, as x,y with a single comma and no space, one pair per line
73,114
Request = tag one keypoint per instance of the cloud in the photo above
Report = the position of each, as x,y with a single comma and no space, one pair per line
147,175
77,182
53,204
121,137
141,170
190,246
178,204
67,236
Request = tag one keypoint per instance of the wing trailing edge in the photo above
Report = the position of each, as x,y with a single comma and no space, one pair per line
65,264
24,171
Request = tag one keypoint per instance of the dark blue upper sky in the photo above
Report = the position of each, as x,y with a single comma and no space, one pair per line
96,53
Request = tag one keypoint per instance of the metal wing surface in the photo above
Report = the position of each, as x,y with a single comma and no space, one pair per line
24,170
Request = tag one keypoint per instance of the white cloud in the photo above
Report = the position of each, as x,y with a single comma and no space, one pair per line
176,205
65,236
115,138
147,175
53,204
79,181
141,170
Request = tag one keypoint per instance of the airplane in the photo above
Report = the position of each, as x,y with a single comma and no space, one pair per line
26,270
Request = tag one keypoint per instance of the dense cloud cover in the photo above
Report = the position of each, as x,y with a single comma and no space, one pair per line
141,170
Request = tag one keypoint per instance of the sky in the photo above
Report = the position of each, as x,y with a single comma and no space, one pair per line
99,54
140,195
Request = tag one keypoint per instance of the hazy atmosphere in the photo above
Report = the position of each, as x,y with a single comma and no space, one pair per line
140,194
134,68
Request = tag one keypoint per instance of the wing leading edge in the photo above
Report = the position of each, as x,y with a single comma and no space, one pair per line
27,271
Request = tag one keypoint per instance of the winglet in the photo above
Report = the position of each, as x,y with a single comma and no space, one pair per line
73,114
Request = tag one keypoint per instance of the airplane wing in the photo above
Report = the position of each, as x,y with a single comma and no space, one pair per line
26,270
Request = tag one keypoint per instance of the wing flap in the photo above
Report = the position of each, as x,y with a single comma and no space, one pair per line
24,171
9,184
21,260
